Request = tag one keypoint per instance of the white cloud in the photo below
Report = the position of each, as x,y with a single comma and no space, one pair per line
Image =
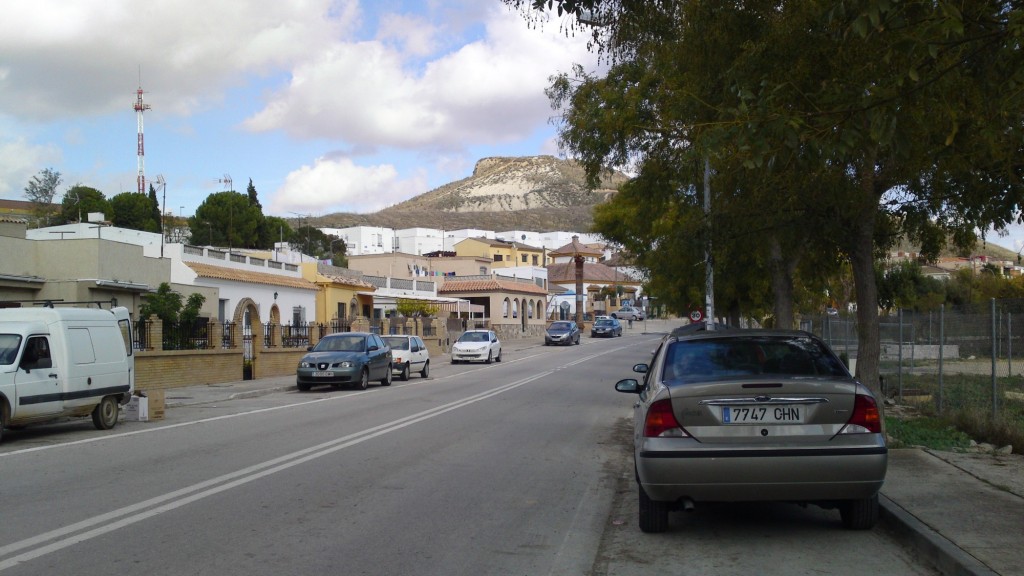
339,185
19,161
68,57
367,94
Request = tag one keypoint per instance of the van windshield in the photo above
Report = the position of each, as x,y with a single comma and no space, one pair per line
9,345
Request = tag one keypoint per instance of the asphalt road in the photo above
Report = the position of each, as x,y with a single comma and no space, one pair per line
519,467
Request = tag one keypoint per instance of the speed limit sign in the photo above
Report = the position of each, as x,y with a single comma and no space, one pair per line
696,316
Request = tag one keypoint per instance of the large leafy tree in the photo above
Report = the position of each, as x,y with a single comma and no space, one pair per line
135,211
227,219
40,192
910,111
79,201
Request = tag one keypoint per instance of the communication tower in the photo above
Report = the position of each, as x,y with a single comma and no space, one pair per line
141,107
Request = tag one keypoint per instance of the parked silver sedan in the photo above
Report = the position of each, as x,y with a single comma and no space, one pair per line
752,415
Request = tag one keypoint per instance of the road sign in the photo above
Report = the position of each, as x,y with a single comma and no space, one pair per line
696,316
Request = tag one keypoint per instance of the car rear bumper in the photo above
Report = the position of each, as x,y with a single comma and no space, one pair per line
736,475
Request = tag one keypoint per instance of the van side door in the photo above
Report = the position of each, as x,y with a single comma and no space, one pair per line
39,381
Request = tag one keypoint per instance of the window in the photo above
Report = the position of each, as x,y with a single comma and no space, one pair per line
534,259
524,258
483,270
498,257
298,315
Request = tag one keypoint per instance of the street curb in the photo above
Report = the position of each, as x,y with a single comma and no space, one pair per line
932,547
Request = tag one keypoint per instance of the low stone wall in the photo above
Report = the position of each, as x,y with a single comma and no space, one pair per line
273,362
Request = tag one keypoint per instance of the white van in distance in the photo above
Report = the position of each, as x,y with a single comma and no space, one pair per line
58,362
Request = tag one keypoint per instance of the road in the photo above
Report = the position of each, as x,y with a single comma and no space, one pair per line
519,467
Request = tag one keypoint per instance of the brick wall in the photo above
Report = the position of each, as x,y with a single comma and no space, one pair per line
161,370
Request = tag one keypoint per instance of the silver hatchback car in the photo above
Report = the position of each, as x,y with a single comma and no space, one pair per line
754,415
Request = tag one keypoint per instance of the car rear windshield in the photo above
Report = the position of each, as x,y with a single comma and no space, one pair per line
397,343
750,356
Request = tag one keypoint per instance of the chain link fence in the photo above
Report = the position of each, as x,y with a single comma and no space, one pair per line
953,359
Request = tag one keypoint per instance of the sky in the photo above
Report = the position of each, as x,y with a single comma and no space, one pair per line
326,105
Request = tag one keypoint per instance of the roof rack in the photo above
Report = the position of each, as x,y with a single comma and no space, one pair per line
50,302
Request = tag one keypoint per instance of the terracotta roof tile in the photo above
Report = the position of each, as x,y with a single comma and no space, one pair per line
491,285
222,273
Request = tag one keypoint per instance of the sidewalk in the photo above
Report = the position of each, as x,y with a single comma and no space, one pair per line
962,513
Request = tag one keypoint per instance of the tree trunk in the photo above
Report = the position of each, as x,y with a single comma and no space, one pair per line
862,260
781,272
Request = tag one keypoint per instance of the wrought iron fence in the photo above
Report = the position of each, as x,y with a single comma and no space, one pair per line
186,335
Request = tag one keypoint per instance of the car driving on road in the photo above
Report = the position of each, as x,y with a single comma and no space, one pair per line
477,346
754,415
606,327
562,332
345,358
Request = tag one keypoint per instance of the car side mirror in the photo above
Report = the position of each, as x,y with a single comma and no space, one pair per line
640,368
372,348
628,385
309,348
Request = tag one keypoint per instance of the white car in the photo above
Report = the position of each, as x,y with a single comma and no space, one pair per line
477,346
409,354
628,313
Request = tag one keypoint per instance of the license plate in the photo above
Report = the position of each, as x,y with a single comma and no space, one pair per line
322,374
762,414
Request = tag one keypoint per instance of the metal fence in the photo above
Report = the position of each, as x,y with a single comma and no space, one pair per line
955,358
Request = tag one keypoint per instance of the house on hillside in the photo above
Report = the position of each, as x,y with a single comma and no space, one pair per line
502,253
513,308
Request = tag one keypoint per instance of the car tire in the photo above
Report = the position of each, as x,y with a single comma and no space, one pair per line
404,376
104,415
303,386
426,369
364,379
454,361
498,359
860,514
653,514
489,359
386,380
614,316
577,340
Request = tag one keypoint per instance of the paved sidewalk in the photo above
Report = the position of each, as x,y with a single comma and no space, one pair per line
962,513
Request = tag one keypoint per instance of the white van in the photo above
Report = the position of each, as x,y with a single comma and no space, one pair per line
57,362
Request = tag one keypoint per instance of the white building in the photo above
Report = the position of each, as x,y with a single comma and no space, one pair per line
365,239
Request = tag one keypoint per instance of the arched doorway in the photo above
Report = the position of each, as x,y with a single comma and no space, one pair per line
247,316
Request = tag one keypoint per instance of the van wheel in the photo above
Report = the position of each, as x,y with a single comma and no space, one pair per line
104,415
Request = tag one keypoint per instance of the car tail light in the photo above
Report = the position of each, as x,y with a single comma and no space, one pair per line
661,422
865,418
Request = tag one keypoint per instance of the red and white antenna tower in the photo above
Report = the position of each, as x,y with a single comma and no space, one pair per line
140,107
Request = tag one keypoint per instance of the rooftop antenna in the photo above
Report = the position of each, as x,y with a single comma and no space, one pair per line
226,181
141,107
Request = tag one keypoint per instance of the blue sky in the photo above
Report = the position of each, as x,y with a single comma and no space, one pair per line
327,106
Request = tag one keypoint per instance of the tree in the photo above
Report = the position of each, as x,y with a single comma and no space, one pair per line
81,200
156,214
40,192
415,308
134,211
229,220
911,111
253,199
275,229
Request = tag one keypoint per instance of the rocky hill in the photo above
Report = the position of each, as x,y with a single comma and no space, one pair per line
540,193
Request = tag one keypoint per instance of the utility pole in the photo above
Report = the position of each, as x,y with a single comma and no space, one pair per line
709,265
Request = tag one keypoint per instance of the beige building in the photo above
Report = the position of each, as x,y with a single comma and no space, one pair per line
514,308
341,296
502,253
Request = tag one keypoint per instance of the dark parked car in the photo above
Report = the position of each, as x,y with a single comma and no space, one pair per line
754,415
608,327
345,358
562,332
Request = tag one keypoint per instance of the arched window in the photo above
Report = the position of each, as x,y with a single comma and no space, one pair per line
530,310
515,308
353,308
504,308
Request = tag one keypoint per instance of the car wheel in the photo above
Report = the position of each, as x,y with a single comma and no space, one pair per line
653,514
303,386
364,379
386,380
489,359
454,361
104,415
426,369
614,316
405,372
499,356
860,514
577,340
